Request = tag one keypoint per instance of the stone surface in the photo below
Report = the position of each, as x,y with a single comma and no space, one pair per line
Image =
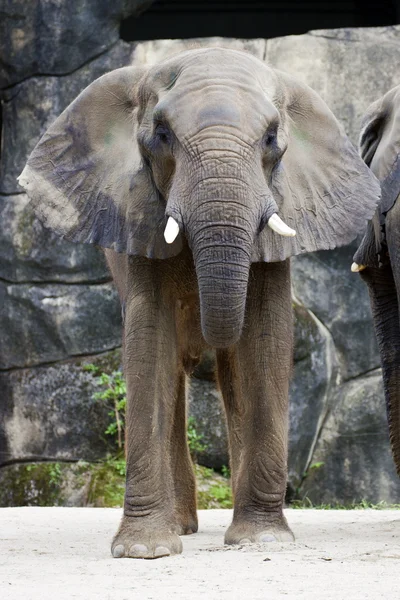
205,406
44,484
57,37
323,282
30,107
31,253
45,323
153,51
353,449
315,373
50,412
349,68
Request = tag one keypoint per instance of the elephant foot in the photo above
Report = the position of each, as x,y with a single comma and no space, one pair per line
258,531
187,524
134,540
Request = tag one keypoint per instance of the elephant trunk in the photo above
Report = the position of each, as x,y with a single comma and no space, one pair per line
222,256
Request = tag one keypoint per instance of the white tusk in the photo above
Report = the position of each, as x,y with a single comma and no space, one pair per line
276,223
171,230
357,268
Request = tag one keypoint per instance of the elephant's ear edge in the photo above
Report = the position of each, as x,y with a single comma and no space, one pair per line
86,178
323,189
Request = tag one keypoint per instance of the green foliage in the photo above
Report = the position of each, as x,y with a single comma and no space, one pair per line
195,443
213,489
226,472
114,395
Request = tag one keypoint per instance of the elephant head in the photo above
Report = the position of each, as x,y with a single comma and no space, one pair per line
378,256
207,147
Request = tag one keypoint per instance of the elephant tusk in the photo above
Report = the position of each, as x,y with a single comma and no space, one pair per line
276,223
355,268
171,230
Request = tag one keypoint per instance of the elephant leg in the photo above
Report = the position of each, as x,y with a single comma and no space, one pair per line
254,378
384,291
182,466
149,528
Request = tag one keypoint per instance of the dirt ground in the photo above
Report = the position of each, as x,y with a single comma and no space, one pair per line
64,553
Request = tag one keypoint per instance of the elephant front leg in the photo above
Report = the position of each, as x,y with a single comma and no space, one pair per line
149,524
254,377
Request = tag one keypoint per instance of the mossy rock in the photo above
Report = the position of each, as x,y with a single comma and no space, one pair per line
91,484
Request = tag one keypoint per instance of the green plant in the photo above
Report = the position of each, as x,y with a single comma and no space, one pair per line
114,395
196,445
225,471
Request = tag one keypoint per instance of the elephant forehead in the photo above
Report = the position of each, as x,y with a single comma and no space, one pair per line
211,103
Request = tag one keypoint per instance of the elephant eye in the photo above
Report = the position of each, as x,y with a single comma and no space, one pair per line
269,139
163,133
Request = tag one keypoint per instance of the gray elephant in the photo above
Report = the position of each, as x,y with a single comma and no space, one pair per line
378,257
195,175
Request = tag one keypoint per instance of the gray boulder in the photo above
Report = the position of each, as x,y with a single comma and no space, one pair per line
352,455
46,323
50,413
41,37
30,107
31,253
349,68
323,282
315,374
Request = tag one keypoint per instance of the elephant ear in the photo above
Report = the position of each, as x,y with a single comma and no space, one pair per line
380,145
86,178
380,149
321,186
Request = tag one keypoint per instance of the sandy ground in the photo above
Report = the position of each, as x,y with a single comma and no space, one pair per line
60,553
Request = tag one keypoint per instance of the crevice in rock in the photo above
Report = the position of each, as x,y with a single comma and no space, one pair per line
68,360
16,193
375,370
66,73
36,458
42,283
1,126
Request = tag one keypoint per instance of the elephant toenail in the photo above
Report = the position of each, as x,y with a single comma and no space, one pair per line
268,538
245,541
138,551
161,551
118,551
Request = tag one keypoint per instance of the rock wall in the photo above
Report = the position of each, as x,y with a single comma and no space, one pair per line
60,310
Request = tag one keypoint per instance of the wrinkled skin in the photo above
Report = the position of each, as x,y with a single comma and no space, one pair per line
379,253
220,142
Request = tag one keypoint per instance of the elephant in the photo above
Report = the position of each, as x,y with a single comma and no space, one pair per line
200,176
378,257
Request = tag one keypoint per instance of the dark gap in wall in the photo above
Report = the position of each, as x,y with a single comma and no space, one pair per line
1,126
254,18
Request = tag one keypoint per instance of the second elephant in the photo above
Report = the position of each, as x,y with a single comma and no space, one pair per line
378,257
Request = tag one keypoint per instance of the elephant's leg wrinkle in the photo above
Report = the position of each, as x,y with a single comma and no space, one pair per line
182,466
256,399
149,528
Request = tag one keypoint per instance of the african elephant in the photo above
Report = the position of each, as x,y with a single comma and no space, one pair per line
378,256
180,172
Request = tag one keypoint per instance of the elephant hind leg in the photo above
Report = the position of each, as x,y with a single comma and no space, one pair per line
182,466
